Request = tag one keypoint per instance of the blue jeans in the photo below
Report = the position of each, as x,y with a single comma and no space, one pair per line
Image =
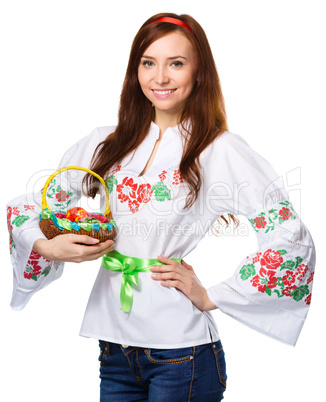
195,373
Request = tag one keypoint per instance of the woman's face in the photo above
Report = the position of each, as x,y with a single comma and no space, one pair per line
167,72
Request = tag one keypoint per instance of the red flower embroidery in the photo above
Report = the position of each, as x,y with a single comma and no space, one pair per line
260,222
32,267
264,280
256,258
288,291
116,169
308,299
15,211
127,190
36,269
301,271
27,275
177,178
289,278
272,259
144,193
36,256
28,207
285,213
133,205
62,196
9,211
162,176
311,278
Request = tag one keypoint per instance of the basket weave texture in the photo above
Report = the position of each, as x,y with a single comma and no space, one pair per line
50,229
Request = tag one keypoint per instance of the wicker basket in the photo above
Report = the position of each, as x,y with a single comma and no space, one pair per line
52,226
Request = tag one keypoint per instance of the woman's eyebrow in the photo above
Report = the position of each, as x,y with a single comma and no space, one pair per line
169,58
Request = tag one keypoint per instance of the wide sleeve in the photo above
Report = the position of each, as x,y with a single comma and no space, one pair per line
32,272
270,289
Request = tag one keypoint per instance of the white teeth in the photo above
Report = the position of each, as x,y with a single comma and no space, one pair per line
163,92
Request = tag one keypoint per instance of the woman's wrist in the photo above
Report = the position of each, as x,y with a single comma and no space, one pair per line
209,305
40,246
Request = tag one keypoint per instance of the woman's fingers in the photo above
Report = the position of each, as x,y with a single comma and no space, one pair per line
98,250
189,267
83,239
72,248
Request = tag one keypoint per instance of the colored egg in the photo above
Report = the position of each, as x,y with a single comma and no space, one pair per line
76,213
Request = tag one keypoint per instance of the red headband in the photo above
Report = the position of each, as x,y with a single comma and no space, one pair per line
174,21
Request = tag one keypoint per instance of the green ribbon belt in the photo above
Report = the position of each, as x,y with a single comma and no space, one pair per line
129,266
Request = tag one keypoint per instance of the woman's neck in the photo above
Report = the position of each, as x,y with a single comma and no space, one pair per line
164,120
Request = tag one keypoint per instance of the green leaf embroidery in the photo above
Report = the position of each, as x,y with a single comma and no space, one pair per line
252,222
268,291
34,277
111,182
280,220
299,261
51,190
19,220
161,191
273,213
11,244
46,271
247,271
279,294
288,265
300,292
280,282
282,251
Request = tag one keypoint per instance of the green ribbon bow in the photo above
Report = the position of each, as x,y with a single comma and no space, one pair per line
129,266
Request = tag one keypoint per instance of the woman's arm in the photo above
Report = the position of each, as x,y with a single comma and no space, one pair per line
270,290
72,248
35,268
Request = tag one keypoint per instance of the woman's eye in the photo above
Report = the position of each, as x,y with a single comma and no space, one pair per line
147,63
177,64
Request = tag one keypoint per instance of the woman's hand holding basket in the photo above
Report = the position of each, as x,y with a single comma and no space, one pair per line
72,248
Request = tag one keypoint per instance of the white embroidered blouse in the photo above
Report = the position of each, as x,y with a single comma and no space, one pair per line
270,290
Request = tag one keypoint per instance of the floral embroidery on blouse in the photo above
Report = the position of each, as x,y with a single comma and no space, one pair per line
33,269
19,218
135,194
265,274
16,218
177,178
284,212
111,181
61,197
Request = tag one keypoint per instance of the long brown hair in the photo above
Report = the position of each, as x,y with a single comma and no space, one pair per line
205,108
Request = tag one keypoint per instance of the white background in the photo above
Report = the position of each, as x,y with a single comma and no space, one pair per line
62,69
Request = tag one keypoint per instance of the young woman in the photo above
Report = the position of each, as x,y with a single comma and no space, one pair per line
172,169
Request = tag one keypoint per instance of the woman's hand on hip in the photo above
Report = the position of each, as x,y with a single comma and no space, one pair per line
182,277
72,248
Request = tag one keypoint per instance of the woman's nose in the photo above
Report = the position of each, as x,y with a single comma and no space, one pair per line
162,76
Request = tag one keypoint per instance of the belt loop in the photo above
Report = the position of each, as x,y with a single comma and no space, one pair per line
107,348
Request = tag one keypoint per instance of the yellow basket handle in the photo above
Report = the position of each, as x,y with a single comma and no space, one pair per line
44,201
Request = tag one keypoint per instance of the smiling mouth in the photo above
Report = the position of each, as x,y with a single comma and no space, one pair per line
163,91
